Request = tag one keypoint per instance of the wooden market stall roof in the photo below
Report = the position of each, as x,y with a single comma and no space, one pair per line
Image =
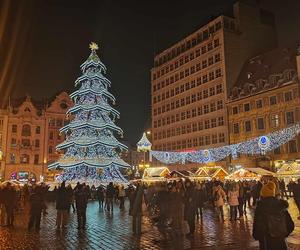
182,174
249,173
156,172
212,172
289,170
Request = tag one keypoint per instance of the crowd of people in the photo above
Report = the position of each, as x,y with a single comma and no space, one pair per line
168,205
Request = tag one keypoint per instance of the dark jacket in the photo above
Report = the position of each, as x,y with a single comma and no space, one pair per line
36,202
9,196
266,206
190,202
297,192
110,191
138,201
81,199
62,201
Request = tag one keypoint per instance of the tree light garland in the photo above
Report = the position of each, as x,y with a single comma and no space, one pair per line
256,146
90,142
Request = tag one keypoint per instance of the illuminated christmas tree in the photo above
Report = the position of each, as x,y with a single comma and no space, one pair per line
91,150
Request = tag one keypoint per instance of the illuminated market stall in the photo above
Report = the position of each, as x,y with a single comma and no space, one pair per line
249,174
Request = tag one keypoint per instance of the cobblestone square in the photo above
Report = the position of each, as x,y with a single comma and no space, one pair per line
113,231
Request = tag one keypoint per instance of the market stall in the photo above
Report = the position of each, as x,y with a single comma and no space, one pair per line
249,174
215,172
156,174
289,171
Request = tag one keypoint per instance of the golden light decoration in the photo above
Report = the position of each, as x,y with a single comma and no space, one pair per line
94,46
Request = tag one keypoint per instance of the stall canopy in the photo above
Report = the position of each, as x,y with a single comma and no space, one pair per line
249,174
212,172
156,172
182,174
289,170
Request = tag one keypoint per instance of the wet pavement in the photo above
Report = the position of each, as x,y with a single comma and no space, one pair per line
113,231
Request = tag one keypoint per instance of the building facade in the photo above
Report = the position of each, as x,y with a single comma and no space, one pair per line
190,80
29,135
266,99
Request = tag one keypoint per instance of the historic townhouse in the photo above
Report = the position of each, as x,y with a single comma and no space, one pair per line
265,99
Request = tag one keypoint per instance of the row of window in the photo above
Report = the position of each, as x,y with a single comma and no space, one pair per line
26,129
187,86
195,142
260,122
273,100
195,82
25,143
181,116
24,159
199,37
215,90
189,128
188,71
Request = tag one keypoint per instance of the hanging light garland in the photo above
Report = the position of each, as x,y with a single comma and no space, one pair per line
256,146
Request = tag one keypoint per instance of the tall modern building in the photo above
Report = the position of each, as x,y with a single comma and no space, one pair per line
190,79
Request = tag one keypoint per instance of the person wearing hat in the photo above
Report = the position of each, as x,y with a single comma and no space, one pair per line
272,222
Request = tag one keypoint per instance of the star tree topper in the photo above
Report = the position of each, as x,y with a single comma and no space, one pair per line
94,46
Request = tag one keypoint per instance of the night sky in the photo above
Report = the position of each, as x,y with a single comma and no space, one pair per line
44,42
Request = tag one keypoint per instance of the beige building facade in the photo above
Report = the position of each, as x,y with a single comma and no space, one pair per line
266,99
190,80
30,133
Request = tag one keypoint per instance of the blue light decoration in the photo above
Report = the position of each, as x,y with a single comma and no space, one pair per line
90,143
256,146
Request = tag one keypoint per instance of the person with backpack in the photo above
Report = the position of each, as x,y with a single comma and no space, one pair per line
272,222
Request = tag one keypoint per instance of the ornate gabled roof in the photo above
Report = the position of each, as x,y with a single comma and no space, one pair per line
265,71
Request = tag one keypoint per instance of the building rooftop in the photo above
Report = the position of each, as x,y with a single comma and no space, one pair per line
266,71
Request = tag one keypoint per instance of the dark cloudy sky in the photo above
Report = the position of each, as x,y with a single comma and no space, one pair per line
43,43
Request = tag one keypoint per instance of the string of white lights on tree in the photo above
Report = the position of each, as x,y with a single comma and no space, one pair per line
90,143
256,146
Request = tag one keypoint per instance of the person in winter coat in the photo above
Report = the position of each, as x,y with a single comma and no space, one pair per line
10,200
190,206
62,206
70,193
121,197
200,191
110,192
272,222
297,196
233,196
100,196
255,192
37,205
137,209
81,200
219,199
